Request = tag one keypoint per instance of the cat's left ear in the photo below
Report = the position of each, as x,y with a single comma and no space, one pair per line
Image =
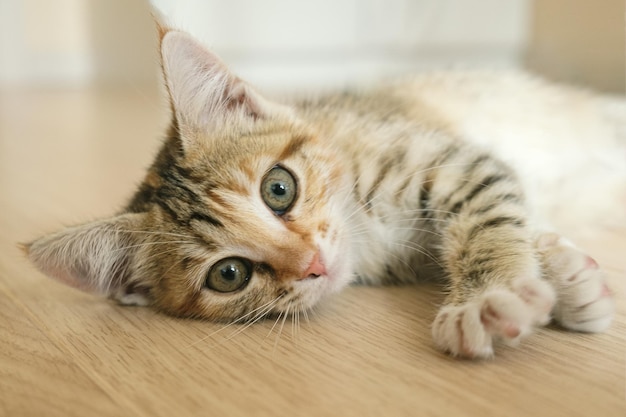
204,93
97,257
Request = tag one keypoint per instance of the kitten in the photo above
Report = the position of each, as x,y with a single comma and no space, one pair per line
253,207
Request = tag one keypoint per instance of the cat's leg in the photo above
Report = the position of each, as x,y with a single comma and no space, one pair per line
584,301
496,289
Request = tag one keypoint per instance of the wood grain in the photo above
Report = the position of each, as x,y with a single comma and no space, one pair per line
68,156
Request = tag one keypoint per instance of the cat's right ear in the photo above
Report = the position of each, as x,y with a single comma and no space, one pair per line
96,257
203,91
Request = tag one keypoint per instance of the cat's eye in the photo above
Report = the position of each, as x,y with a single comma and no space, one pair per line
228,275
279,190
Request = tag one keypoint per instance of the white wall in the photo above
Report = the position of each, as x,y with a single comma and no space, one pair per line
274,43
282,43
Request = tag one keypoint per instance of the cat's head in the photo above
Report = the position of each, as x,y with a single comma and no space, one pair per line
239,215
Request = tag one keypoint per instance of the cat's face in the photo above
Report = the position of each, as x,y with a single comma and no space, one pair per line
257,226
241,214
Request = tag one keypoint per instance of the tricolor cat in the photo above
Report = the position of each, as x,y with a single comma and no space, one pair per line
254,208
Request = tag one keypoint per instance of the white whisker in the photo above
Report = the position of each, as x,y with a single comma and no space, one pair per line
274,325
418,248
280,330
269,305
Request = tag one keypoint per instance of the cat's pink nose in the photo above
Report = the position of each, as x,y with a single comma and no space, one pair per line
315,269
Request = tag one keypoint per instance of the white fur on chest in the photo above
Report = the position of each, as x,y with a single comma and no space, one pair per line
391,245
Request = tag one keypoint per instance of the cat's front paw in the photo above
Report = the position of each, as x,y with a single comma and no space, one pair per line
585,302
470,329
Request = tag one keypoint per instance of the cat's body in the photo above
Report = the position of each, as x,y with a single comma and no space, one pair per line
253,207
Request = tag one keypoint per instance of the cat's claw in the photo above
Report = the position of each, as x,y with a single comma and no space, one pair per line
469,330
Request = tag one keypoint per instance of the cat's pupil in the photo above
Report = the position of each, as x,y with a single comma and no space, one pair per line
229,273
279,188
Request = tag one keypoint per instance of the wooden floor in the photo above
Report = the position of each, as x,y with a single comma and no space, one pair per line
69,156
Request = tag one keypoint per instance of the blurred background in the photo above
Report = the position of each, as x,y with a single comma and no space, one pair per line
282,44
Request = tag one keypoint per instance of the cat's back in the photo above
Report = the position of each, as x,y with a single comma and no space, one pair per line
480,105
564,141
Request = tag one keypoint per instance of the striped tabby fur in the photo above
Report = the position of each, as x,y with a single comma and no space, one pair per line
392,187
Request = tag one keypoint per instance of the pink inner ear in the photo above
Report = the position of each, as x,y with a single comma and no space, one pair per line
91,257
83,284
239,97
203,90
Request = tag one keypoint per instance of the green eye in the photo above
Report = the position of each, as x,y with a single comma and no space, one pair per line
279,190
229,275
